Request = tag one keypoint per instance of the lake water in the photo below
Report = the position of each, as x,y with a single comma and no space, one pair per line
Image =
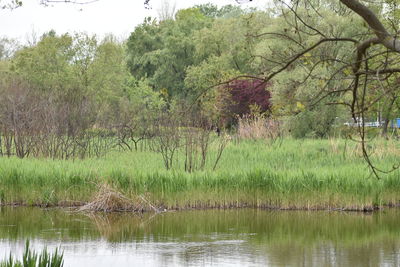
245,237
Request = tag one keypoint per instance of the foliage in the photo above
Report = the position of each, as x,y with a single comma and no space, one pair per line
162,51
54,91
212,11
317,123
248,96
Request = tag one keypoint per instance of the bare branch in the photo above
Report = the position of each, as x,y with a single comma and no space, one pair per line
296,57
376,25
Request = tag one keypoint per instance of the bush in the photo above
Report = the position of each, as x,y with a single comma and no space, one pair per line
313,123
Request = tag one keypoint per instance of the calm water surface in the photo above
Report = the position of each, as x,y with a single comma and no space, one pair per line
207,238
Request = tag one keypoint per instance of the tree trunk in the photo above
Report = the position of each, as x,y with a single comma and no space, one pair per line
386,116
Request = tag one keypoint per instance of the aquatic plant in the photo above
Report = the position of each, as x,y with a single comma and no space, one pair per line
32,259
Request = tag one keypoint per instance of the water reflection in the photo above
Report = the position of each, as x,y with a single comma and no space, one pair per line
198,238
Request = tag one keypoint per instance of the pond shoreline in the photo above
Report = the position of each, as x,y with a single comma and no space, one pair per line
77,206
296,175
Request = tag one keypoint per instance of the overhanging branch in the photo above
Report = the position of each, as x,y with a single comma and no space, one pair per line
302,53
374,23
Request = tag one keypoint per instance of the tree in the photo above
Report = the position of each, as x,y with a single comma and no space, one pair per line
248,94
8,47
46,65
314,44
228,11
162,51
224,51
62,87
133,113
167,10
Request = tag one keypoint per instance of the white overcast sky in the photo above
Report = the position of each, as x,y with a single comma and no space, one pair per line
118,17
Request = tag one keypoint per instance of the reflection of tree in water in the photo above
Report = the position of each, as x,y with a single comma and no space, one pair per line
21,223
264,227
334,254
329,239
280,238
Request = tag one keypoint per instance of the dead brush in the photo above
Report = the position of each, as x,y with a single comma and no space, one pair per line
251,128
382,150
355,150
334,145
108,199
258,127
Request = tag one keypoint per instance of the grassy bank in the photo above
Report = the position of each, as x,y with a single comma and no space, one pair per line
301,174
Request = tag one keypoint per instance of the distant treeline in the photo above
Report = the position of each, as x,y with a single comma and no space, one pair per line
73,95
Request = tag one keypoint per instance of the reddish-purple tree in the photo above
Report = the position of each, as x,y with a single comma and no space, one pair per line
245,93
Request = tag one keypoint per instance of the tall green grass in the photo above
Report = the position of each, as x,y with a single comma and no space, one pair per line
32,259
311,174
